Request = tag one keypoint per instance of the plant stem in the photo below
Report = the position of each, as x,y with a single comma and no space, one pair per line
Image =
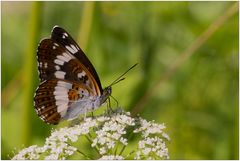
122,150
88,157
86,24
130,153
28,79
95,148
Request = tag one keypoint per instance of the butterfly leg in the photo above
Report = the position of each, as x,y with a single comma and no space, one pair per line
74,122
114,100
109,108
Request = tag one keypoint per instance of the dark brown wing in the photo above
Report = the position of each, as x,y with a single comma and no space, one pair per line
64,38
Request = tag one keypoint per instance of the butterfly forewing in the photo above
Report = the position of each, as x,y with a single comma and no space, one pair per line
69,82
54,61
65,39
48,62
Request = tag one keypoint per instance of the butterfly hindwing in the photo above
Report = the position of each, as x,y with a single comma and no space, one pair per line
54,97
45,102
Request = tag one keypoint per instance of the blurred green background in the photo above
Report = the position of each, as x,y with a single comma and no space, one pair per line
197,100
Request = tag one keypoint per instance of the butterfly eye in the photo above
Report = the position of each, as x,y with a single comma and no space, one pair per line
82,92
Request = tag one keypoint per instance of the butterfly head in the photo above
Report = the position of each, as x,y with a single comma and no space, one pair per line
106,93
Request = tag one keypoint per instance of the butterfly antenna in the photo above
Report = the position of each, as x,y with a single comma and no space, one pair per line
120,77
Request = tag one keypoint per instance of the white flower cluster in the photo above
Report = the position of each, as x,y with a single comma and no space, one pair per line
150,127
32,152
108,135
112,131
56,146
111,157
152,146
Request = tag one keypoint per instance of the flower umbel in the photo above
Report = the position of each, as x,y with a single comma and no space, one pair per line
109,135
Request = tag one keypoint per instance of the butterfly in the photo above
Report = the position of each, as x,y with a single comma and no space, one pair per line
69,84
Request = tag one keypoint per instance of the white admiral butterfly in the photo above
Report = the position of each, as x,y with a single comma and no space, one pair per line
69,85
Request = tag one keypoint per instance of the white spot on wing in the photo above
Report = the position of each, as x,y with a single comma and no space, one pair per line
64,57
61,97
64,84
59,62
37,110
55,44
64,35
68,56
45,65
42,117
72,49
57,67
60,102
82,74
60,74
60,91
62,107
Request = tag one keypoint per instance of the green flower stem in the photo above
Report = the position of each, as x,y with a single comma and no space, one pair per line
130,154
88,157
